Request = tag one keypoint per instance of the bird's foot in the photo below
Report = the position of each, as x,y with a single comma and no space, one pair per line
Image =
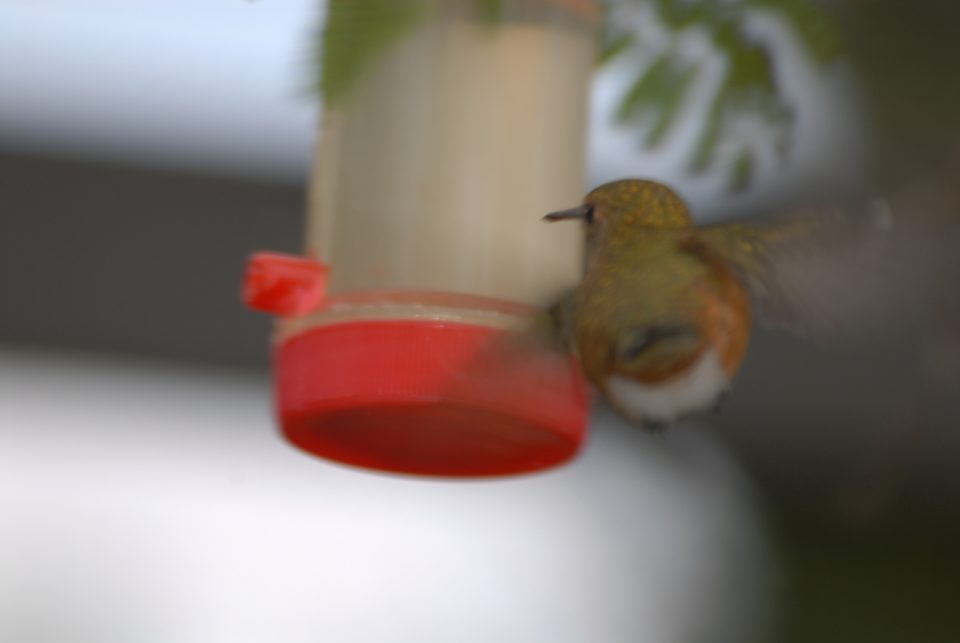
721,398
657,427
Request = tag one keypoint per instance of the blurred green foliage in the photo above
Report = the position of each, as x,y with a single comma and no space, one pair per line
357,31
658,94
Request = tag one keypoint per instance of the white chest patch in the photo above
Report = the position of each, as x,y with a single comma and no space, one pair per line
696,390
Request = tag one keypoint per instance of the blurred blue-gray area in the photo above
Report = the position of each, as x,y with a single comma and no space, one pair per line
147,146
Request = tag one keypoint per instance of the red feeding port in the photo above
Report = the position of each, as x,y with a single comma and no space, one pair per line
420,396
284,285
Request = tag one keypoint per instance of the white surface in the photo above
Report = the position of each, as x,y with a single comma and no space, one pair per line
147,503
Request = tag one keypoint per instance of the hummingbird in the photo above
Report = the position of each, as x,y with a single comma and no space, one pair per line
663,315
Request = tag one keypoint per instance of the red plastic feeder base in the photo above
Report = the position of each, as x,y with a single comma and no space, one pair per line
428,398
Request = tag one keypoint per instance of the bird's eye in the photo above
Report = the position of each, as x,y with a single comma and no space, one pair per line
588,213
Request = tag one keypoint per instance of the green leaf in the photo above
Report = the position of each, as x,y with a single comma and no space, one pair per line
703,155
679,15
750,67
816,29
741,174
356,33
490,11
614,46
671,103
659,91
642,95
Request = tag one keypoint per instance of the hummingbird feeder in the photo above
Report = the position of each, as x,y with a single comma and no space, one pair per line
424,241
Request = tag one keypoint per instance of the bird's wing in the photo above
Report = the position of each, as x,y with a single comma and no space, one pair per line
537,349
845,269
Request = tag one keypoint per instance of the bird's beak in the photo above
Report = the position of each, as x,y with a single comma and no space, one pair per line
579,212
